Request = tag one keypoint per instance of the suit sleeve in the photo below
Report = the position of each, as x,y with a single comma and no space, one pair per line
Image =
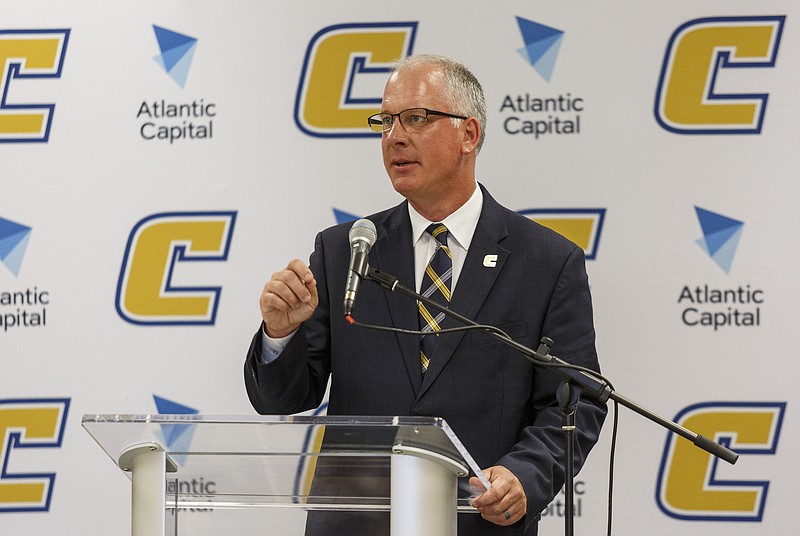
537,458
296,381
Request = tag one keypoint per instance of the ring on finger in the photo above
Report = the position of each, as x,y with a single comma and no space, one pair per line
507,515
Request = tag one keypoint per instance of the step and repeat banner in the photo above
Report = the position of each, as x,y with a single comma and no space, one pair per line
161,159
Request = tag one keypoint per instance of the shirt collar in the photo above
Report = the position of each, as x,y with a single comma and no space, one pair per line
460,224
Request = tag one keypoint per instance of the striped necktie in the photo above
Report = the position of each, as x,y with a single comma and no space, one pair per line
436,286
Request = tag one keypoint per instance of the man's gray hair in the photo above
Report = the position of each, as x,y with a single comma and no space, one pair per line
463,92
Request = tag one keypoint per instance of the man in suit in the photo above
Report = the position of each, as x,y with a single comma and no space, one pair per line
507,271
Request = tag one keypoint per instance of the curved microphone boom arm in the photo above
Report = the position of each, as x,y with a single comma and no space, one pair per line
590,382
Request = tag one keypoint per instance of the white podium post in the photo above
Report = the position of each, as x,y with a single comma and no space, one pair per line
424,492
148,465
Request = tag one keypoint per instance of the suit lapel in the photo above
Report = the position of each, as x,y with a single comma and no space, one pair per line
476,280
394,254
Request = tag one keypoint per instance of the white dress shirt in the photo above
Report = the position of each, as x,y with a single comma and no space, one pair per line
460,225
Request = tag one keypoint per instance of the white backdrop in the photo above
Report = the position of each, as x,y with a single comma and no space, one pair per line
261,186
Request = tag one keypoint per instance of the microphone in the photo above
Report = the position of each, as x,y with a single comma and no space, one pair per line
362,237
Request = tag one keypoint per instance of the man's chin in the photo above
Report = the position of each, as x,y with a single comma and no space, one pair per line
403,185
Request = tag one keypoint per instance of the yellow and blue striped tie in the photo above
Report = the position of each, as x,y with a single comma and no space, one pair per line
436,286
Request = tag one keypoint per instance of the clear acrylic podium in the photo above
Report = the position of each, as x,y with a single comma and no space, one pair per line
197,474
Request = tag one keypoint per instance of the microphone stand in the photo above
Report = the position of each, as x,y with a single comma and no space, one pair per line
576,383
568,396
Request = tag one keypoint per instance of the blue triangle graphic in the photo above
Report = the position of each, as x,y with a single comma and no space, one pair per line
547,60
14,239
725,252
8,228
180,71
175,434
171,57
724,255
168,407
177,70
533,31
177,52
343,217
537,49
13,260
181,443
717,229
542,44
715,241
525,54
721,236
9,242
711,222
167,39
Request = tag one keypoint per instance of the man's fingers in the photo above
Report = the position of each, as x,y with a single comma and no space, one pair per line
285,292
505,502
288,299
294,285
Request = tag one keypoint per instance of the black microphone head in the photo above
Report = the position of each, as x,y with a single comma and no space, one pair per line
364,231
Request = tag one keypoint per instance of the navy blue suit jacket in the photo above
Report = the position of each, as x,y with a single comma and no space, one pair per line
501,406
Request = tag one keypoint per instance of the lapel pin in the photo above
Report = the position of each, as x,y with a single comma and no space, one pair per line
490,261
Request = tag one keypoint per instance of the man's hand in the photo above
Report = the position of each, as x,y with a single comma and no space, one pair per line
505,502
288,299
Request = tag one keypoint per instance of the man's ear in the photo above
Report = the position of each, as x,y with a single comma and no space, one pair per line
472,135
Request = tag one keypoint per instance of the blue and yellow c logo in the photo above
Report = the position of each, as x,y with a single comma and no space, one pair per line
29,424
699,54
28,54
688,484
339,88
580,225
147,292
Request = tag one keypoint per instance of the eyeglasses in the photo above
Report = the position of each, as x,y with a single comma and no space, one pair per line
411,118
